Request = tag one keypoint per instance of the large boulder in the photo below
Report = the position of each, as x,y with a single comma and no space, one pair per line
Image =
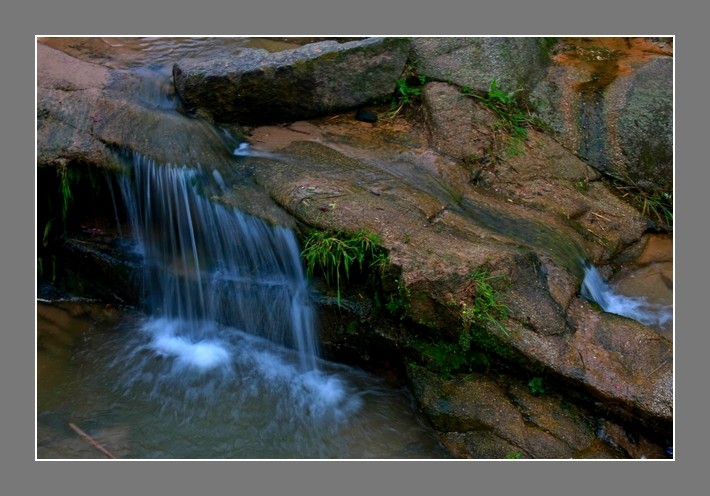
638,116
514,62
259,87
611,102
88,113
544,176
488,415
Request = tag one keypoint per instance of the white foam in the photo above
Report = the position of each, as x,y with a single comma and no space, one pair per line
323,395
245,150
202,354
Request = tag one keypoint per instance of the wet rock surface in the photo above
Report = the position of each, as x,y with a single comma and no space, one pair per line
619,363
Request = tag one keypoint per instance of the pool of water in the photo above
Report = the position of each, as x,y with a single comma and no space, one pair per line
117,381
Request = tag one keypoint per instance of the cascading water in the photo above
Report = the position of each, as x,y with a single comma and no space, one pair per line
230,330
223,361
571,256
206,262
596,289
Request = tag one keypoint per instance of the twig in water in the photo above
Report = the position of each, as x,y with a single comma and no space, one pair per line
91,440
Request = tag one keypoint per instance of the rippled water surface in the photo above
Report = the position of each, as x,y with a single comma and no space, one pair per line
134,388
124,52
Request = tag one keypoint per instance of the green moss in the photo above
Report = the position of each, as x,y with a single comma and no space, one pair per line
546,45
536,386
489,343
443,358
480,319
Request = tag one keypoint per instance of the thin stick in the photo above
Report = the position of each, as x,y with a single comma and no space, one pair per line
581,358
600,216
91,440
657,368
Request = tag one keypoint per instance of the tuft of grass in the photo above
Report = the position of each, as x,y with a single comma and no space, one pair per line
337,254
656,206
484,309
659,207
512,121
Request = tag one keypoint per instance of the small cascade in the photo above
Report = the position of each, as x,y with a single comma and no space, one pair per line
571,256
207,263
596,289
246,150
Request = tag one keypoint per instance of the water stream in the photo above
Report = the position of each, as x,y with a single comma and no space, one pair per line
594,287
639,308
205,263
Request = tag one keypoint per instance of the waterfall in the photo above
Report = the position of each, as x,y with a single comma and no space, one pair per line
207,263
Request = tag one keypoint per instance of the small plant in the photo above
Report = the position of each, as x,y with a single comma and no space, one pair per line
47,232
398,305
445,357
582,185
74,179
512,121
335,253
659,207
513,456
379,264
65,179
407,91
485,308
536,386
351,329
